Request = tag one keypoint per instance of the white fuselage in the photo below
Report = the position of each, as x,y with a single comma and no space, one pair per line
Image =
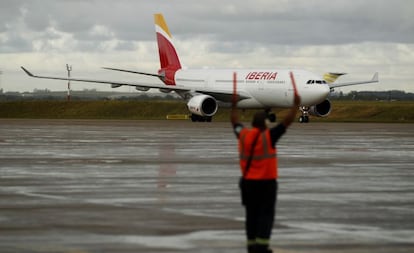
266,88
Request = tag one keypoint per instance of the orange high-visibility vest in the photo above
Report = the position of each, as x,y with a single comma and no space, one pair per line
264,161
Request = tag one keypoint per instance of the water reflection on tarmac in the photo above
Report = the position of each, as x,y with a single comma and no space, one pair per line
170,186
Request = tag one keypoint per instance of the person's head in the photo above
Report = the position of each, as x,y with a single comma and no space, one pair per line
259,120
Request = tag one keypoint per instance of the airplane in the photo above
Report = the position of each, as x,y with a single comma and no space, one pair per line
205,89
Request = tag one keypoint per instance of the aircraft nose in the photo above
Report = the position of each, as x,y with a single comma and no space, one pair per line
325,90
321,93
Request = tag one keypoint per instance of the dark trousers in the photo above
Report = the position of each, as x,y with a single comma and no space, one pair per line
259,199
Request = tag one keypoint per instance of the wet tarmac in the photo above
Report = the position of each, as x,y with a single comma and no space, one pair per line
171,186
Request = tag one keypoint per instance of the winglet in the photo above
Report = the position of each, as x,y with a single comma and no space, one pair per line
375,77
27,71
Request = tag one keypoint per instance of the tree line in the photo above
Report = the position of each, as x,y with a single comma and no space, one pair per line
93,94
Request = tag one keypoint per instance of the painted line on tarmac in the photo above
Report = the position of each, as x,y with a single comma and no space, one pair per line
355,231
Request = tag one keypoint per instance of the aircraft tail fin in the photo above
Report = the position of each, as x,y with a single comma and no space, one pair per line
169,60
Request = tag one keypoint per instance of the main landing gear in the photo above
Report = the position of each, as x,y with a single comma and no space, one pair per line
198,118
304,118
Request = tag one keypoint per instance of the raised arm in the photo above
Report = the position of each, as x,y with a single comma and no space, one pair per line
290,117
234,115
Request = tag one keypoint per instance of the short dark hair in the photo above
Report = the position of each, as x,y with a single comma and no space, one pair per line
259,120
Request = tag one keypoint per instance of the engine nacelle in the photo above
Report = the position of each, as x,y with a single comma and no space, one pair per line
203,105
321,110
139,88
165,90
115,85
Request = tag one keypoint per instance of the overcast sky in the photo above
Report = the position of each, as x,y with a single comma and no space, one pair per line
356,37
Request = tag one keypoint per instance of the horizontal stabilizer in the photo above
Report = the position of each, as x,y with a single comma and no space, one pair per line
331,77
374,79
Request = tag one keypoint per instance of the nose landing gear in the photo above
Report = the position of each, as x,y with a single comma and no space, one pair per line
304,118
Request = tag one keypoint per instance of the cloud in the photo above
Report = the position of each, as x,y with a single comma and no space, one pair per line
316,22
352,36
305,22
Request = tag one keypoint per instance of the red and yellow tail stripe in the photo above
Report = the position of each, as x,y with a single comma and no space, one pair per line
161,25
169,60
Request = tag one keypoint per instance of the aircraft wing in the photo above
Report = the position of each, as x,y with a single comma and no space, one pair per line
373,80
114,84
222,95
135,72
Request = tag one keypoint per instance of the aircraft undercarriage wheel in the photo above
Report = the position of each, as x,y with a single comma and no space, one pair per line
198,118
304,118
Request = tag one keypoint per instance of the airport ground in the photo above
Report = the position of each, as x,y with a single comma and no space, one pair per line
171,186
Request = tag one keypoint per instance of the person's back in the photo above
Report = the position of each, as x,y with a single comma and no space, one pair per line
258,165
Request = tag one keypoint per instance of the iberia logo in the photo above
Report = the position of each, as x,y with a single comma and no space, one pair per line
261,76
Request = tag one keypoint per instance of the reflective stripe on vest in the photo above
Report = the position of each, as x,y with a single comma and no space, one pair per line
266,153
264,161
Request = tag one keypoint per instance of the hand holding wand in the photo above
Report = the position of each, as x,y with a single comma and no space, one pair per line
234,117
296,102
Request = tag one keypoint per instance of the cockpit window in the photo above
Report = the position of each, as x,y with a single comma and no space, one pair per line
316,81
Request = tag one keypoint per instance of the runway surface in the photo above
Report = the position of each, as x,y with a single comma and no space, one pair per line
171,186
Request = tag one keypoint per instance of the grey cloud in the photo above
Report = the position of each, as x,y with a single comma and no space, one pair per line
78,17
15,43
126,46
309,22
9,11
241,23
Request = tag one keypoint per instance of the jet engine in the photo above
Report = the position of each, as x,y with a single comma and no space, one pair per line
202,105
321,110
